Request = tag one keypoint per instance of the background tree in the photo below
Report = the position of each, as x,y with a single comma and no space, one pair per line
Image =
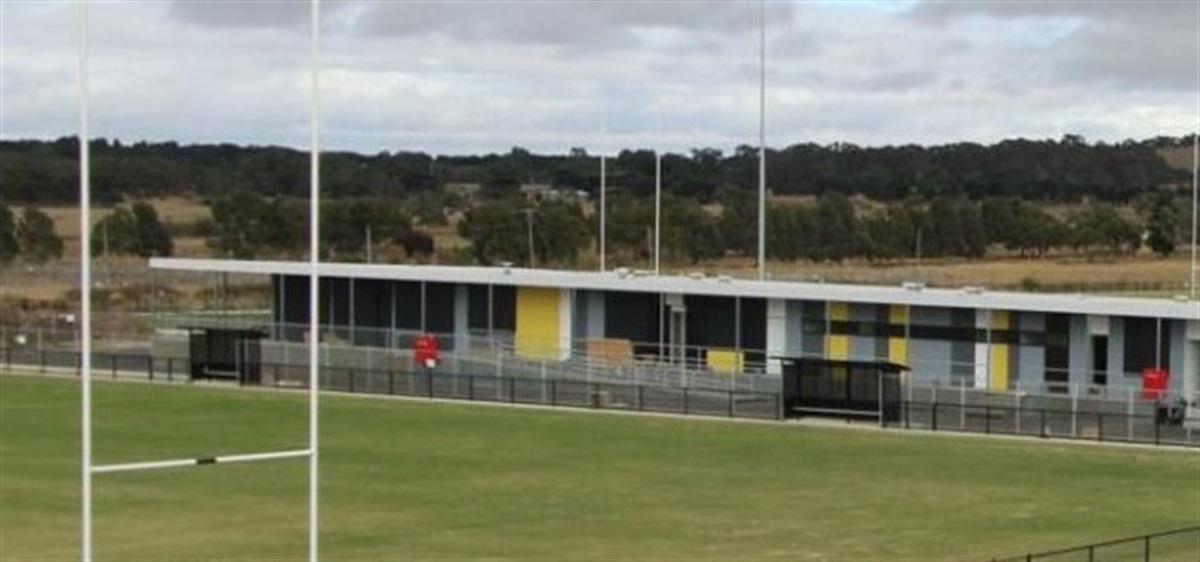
560,232
1162,226
152,237
496,232
115,234
8,235
36,237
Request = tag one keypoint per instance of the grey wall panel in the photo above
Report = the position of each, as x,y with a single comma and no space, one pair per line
1079,354
1178,338
596,321
794,344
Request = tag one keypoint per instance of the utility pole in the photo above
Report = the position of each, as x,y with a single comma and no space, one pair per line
370,248
529,230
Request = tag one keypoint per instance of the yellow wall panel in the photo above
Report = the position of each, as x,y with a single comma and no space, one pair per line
537,329
838,345
726,361
898,347
998,353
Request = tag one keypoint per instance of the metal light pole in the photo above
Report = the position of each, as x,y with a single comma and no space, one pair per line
762,140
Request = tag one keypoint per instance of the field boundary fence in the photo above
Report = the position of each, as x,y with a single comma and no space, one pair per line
501,377
1175,544
479,384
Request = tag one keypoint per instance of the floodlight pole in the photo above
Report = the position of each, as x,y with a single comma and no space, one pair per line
1195,163
762,140
314,243
85,290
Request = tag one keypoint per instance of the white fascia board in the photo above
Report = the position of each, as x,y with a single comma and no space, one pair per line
710,286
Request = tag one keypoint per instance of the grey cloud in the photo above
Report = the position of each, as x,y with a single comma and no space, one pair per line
596,24
242,13
1135,45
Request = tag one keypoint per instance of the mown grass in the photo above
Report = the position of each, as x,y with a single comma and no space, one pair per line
409,480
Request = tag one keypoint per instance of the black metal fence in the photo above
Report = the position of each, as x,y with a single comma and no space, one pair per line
1145,428
488,387
1045,420
1177,544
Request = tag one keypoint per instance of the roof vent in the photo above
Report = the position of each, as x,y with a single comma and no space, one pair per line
973,290
622,272
696,275
725,279
507,265
913,286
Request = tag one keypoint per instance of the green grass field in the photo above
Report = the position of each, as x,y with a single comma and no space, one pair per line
412,480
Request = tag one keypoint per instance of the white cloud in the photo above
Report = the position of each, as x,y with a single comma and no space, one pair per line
479,75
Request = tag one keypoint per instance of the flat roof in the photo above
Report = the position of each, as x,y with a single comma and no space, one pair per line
624,280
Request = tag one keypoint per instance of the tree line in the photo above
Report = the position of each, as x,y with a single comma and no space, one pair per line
1063,170
884,203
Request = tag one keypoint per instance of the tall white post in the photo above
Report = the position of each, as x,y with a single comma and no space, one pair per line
657,209
1195,162
762,139
603,215
314,241
85,289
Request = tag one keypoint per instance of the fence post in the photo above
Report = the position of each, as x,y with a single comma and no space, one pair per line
351,384
962,407
471,388
1129,418
1091,553
1156,429
112,360
1099,426
1017,401
170,369
685,400
275,375
933,408
731,403
639,390
78,364
1146,549
1074,413
391,381
1042,429
553,392
987,418
41,361
150,366
905,404
512,389
429,382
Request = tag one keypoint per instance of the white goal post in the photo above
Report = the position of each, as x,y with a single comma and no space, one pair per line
88,468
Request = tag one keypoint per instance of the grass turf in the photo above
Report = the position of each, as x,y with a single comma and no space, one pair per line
415,480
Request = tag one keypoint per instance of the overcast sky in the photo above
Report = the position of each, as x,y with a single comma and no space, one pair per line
465,77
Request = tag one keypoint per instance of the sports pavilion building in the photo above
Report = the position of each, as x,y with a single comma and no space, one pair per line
971,337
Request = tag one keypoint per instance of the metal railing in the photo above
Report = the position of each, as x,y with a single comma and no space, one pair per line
1176,544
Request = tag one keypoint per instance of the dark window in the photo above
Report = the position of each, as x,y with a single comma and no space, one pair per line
1140,337
1100,360
1058,328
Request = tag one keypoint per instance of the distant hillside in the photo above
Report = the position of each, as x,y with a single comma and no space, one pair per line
1178,157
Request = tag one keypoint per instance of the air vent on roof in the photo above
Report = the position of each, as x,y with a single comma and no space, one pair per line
973,290
913,285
